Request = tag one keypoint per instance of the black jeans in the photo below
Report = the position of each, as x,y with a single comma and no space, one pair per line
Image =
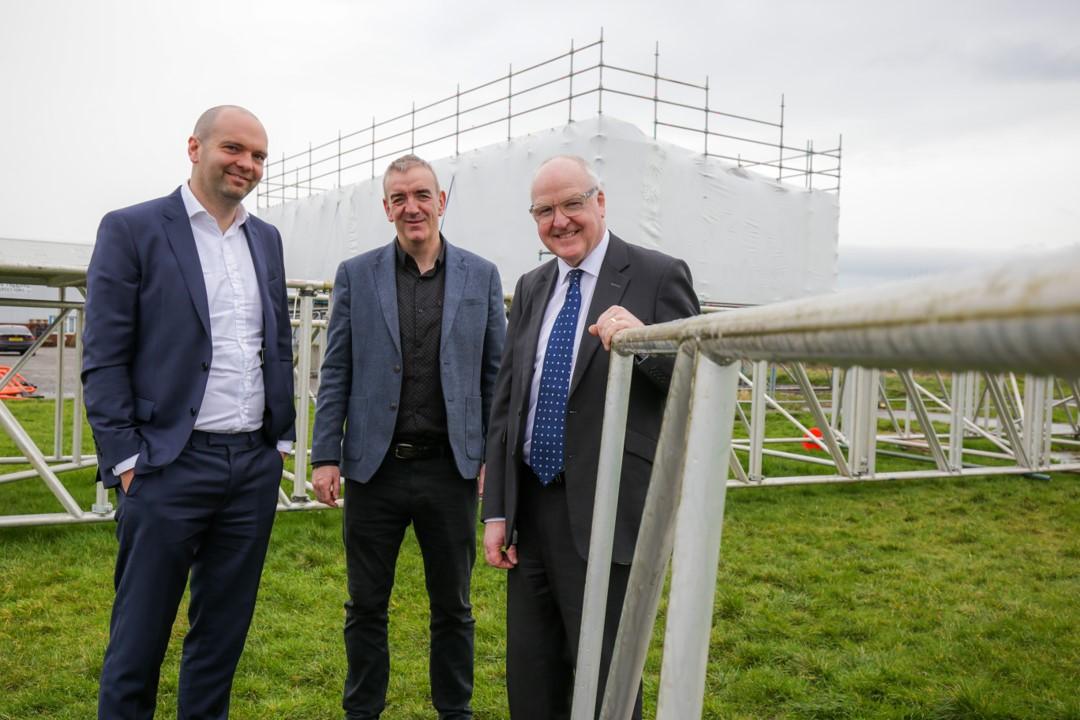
441,505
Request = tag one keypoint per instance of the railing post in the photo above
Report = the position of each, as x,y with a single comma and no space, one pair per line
58,409
570,98
780,171
77,407
656,90
600,85
652,551
757,420
698,528
706,116
601,538
303,392
509,99
1038,415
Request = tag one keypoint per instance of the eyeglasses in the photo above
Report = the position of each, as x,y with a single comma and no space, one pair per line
573,205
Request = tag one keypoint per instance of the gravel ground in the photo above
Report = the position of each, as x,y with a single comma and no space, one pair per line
41,370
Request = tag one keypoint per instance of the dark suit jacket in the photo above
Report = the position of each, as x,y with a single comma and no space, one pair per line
361,373
655,288
146,342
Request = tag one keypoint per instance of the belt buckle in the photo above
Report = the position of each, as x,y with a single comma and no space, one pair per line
403,451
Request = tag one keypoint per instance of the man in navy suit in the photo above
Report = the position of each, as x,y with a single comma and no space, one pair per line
187,367
415,336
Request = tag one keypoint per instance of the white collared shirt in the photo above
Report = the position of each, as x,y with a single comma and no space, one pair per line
590,268
234,399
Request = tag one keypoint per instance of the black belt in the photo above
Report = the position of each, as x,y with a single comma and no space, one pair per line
418,451
251,438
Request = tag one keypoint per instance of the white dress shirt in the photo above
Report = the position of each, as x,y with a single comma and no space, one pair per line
234,399
590,268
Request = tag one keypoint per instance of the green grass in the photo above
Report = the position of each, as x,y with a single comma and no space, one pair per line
929,600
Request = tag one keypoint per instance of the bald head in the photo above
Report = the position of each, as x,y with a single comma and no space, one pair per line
204,126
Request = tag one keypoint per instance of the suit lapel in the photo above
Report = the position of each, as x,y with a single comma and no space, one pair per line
611,285
457,271
386,289
182,241
530,335
258,259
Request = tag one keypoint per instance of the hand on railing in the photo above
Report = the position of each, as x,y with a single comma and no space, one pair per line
611,321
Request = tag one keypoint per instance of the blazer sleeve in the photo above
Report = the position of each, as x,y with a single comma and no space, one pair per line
494,340
284,333
494,505
109,341
675,299
335,384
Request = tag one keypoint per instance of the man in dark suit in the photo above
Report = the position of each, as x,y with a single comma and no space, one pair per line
415,335
544,436
187,367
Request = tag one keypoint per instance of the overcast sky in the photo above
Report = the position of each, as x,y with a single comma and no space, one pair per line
961,119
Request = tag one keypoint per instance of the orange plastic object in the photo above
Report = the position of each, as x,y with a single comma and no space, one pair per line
15,387
810,445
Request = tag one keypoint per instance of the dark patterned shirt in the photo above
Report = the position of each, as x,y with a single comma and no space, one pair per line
421,409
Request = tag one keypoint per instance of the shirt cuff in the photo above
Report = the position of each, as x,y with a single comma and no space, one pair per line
124,465
284,446
502,519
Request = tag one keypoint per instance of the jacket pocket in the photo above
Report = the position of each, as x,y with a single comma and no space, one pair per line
144,409
474,427
352,447
641,445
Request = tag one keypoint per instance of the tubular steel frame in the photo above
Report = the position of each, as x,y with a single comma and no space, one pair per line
1023,318
523,95
310,333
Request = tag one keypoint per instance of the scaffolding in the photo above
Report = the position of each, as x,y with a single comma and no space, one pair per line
573,85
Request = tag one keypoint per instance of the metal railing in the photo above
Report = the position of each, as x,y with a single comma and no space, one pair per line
574,84
1022,318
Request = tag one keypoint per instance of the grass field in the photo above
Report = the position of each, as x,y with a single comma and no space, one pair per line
930,600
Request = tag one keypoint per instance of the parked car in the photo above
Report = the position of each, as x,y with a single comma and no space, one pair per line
15,338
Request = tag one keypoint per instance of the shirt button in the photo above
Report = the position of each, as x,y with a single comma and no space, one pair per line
205,366
393,406
397,368
194,412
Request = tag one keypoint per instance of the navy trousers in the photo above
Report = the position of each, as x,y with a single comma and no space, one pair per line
545,594
207,517
441,505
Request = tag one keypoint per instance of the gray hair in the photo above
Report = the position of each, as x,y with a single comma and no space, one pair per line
403,163
206,121
577,160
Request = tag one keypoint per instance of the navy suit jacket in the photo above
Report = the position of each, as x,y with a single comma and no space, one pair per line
655,288
146,342
360,387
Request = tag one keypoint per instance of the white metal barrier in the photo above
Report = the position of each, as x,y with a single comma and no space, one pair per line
1022,318
48,466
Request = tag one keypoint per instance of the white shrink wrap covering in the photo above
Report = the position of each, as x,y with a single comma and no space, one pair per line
748,239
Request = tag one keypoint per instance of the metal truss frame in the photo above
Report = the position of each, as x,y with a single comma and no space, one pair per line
984,327
47,466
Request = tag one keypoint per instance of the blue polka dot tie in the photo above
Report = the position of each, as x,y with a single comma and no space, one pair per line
549,424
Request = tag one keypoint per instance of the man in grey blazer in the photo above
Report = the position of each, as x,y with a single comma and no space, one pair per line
415,336
544,440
